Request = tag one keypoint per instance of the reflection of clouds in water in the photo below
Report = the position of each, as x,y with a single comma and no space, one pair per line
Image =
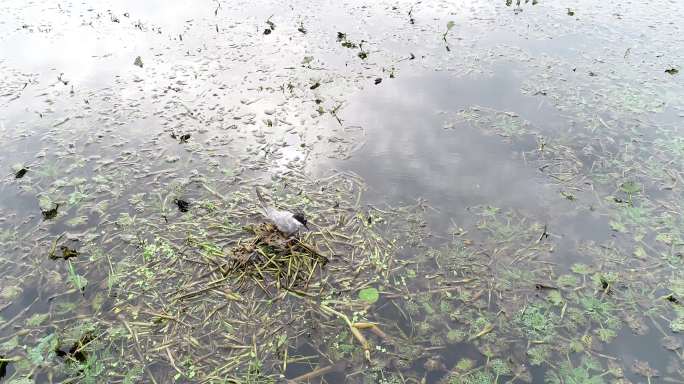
408,154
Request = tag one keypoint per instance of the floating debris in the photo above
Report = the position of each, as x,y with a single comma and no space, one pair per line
271,26
183,205
48,207
20,173
671,343
3,366
66,253
138,62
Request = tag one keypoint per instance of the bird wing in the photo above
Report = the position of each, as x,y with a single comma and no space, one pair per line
266,209
261,198
284,221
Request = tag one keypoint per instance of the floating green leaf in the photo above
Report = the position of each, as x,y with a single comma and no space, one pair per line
10,292
46,203
9,344
555,297
606,335
465,364
630,187
37,319
455,336
45,350
537,355
581,269
369,295
617,226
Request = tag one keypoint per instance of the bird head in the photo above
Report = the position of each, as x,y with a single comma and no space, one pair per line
300,217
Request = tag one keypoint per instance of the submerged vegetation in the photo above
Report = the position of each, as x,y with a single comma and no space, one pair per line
133,249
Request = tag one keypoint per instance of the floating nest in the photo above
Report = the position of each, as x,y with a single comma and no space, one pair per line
193,286
270,254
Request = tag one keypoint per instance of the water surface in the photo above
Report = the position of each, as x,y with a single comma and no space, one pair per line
507,176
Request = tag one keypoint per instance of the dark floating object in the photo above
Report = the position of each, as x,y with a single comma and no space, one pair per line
50,213
271,26
378,81
672,71
76,351
672,299
301,28
571,12
363,55
3,367
544,234
67,253
181,138
342,38
316,85
20,173
61,79
604,283
138,62
183,205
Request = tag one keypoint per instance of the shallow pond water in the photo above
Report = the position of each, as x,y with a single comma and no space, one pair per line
494,190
